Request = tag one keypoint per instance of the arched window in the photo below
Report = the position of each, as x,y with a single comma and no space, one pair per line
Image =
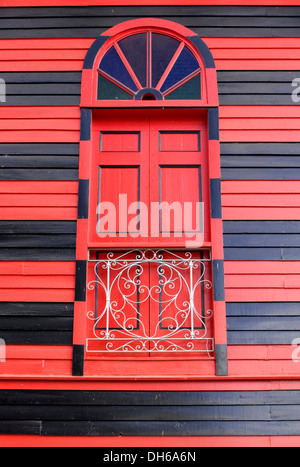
149,66
149,283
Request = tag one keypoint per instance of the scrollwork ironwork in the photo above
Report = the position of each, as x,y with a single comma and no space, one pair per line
121,323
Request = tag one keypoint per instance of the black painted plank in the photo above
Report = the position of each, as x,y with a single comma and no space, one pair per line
261,240
201,31
252,99
262,337
28,101
37,227
180,10
67,77
260,161
255,99
33,323
261,174
42,89
263,309
150,413
39,174
263,323
147,398
37,254
246,149
65,21
259,227
255,77
42,77
74,100
262,254
255,88
26,427
37,241
31,149
144,413
37,337
36,309
206,428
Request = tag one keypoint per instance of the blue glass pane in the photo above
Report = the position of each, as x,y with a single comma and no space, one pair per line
112,65
184,66
110,91
189,90
135,50
163,50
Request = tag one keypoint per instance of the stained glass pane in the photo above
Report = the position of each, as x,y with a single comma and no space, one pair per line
110,91
112,65
135,50
184,66
190,90
163,50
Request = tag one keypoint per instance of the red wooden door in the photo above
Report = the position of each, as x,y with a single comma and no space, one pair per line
150,170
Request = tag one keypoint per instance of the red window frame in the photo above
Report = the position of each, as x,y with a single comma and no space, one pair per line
209,109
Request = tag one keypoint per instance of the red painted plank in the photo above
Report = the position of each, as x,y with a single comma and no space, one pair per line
145,441
262,267
37,295
259,281
49,44
39,213
41,55
262,295
100,383
230,65
236,352
51,268
258,186
51,65
39,123
258,112
247,53
40,112
20,3
30,281
260,214
38,352
39,136
39,187
258,123
260,200
266,136
252,42
46,200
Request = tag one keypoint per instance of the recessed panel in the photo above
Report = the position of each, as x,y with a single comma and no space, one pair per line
113,204
122,141
179,141
180,199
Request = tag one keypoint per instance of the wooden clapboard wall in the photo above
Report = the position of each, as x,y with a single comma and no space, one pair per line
257,53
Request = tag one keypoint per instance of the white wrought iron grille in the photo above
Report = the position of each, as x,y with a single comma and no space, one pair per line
150,301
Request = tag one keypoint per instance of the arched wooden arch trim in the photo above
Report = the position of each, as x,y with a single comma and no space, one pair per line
194,42
210,102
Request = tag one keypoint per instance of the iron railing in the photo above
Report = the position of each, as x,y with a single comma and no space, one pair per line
150,301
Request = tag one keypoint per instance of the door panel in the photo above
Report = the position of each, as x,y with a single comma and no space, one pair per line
179,180
121,160
153,172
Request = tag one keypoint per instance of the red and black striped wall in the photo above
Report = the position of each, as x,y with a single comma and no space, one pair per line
257,54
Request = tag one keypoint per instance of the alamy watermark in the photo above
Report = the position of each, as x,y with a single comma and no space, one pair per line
2,351
157,220
2,91
296,91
